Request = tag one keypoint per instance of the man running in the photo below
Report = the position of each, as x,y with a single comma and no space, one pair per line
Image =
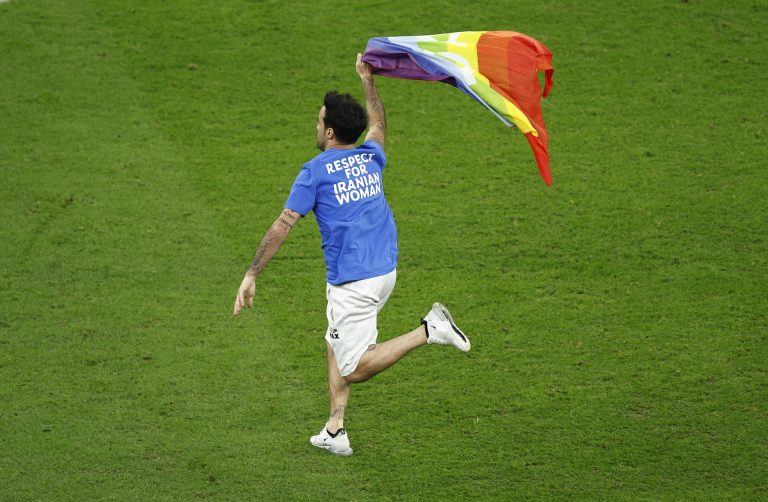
343,185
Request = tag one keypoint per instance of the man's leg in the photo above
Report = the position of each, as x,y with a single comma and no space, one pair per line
338,392
333,437
437,328
376,360
384,355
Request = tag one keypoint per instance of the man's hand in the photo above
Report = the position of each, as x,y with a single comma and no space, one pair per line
245,294
363,69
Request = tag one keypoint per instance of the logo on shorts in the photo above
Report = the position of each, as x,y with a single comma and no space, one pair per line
335,334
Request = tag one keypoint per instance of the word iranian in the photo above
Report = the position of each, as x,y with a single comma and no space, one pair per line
366,185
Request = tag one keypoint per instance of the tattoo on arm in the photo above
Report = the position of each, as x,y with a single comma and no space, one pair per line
259,262
371,347
339,411
272,241
287,218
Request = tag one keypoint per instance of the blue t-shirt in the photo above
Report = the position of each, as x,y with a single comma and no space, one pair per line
345,190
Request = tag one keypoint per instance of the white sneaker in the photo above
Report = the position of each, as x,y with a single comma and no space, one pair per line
338,445
442,331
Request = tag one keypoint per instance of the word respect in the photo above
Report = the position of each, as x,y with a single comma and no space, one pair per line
351,165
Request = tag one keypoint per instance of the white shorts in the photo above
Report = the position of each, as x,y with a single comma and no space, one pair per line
352,311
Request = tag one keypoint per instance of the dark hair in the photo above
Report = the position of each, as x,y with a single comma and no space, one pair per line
345,116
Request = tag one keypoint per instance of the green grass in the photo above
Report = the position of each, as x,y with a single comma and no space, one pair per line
619,319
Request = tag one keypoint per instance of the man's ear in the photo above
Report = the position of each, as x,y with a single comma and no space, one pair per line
330,133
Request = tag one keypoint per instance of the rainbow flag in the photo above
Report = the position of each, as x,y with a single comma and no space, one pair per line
497,68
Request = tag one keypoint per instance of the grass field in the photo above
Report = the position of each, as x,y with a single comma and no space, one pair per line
619,319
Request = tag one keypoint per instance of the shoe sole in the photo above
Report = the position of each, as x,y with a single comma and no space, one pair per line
447,315
341,453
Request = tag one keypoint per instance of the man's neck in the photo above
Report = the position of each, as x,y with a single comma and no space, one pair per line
341,146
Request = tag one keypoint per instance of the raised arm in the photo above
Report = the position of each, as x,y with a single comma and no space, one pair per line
271,242
377,120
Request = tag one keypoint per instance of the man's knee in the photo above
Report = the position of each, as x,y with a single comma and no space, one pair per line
359,375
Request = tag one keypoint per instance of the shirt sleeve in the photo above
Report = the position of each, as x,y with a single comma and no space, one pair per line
303,193
377,150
